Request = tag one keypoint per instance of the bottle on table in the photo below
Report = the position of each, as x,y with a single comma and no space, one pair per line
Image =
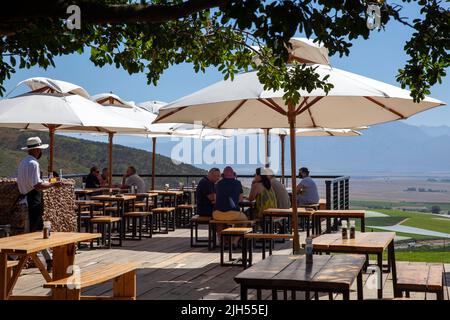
47,229
344,229
352,229
309,250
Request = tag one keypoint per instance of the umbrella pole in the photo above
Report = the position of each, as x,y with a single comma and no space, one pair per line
267,150
291,119
110,150
51,132
153,161
282,140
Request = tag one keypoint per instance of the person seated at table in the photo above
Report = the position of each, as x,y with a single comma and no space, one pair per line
229,193
206,194
131,178
92,180
307,189
281,193
104,178
262,192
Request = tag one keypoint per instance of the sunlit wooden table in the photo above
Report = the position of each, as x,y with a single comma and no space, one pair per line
28,246
364,243
332,274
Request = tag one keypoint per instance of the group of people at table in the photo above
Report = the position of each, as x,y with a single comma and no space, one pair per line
95,179
219,194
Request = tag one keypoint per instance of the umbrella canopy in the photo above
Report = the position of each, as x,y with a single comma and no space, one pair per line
243,103
303,50
59,105
307,51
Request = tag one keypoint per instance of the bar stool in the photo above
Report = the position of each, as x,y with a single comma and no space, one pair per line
137,220
195,221
184,214
104,225
166,216
232,233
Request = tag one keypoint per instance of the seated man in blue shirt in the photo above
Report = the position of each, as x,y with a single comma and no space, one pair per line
206,194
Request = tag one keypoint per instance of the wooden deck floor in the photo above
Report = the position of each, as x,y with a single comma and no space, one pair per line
171,269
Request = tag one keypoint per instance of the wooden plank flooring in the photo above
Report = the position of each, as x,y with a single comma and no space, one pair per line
171,269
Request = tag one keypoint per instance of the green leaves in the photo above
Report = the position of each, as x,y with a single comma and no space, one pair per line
221,38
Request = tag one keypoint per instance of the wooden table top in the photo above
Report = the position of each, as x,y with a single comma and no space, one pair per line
33,242
169,192
278,212
106,197
364,242
282,271
338,213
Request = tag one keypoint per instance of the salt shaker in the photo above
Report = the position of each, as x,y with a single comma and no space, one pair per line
352,229
344,229
47,229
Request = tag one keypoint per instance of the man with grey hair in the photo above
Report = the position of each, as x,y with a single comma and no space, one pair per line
131,178
206,193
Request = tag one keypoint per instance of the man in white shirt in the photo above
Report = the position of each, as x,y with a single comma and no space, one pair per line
132,179
31,185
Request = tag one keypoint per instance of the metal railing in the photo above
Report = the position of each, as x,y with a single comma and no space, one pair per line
337,187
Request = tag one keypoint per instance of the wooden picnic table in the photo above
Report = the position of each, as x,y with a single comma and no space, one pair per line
332,274
339,214
271,213
364,243
123,201
28,245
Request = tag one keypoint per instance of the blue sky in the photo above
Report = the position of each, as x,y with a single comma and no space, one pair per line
379,57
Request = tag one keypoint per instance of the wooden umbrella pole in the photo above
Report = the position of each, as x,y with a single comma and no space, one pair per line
267,148
291,119
153,161
282,140
110,151
51,132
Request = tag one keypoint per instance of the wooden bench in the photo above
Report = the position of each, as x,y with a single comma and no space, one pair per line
420,277
338,214
212,232
195,221
271,237
123,276
137,219
104,223
230,233
10,265
164,215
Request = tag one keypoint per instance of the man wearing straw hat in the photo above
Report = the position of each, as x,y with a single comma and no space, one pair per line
31,185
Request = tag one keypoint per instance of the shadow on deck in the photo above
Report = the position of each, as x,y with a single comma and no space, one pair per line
171,269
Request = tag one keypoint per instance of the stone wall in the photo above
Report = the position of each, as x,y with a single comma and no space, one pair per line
59,207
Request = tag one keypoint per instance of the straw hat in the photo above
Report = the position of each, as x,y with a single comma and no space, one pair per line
35,143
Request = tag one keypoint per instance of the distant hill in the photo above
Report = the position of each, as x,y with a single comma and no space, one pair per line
74,155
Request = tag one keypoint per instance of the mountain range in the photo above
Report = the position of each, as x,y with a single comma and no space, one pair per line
395,147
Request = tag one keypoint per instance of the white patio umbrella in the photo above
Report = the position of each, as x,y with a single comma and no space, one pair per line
311,132
58,105
243,103
303,50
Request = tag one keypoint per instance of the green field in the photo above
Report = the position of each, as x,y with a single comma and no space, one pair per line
438,252
370,204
